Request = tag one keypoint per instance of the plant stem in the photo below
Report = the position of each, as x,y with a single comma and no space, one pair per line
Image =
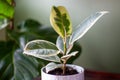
64,61
64,67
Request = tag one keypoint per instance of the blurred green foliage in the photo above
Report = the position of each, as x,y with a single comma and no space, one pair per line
13,64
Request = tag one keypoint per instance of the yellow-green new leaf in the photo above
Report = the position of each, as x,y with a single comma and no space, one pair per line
60,21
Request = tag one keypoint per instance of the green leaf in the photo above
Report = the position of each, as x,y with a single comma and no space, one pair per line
3,23
6,10
42,49
10,1
31,29
60,21
5,61
85,26
21,64
13,63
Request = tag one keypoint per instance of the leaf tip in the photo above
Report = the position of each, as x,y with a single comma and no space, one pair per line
104,12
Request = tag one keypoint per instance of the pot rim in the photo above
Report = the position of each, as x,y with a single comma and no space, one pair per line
76,67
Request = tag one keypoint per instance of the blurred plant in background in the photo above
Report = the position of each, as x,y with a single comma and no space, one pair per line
13,64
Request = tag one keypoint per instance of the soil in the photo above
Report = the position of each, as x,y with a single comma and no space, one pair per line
59,71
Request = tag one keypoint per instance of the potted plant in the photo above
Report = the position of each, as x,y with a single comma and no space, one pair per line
61,51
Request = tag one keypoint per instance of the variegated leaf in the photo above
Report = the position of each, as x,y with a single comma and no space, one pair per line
85,26
50,66
60,21
59,44
66,57
42,49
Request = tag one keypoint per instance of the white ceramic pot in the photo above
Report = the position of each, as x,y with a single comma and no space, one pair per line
79,76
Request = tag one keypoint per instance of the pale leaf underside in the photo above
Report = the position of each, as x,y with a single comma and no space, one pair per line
59,44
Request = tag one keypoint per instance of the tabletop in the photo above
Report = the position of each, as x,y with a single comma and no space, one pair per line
98,75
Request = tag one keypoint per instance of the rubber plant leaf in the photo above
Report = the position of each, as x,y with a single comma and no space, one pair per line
60,44
66,57
42,49
60,21
85,26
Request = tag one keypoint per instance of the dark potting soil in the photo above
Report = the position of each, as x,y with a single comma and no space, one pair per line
59,71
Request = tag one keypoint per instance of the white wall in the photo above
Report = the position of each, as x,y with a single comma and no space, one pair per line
101,45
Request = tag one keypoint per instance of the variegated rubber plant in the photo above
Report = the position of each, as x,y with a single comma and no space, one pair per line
61,23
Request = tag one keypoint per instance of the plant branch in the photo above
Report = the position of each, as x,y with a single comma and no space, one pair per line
13,3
